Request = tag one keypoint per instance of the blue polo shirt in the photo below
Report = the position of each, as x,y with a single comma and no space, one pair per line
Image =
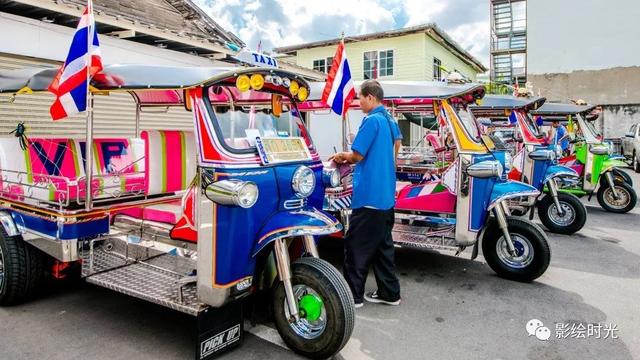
559,133
374,177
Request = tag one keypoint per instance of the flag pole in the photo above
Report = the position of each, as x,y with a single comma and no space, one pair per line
345,145
88,164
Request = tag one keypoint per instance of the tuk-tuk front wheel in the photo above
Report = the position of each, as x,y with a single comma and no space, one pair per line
622,203
326,309
532,250
571,219
21,269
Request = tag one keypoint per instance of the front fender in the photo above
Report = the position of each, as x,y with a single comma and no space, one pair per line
609,164
617,157
510,189
559,171
305,221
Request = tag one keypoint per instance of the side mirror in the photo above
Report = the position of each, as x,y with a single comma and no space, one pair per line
485,169
542,155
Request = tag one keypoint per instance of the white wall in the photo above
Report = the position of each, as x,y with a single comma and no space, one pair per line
568,35
29,37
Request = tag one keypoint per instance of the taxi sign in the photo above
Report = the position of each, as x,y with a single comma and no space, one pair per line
256,58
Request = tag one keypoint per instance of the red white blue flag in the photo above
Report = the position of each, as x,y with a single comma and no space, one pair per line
339,90
83,60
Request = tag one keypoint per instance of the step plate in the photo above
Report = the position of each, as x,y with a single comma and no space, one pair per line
424,237
150,281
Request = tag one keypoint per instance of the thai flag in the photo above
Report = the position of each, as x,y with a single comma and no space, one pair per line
339,91
84,59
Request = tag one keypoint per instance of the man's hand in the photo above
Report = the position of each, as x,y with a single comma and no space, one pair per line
350,157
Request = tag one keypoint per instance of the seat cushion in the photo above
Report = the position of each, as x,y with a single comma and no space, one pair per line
170,160
168,213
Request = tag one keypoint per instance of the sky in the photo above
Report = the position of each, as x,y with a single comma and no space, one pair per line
277,23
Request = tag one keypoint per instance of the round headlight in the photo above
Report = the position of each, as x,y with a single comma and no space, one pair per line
331,177
248,195
303,182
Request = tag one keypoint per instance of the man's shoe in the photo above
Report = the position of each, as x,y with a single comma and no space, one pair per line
358,305
373,297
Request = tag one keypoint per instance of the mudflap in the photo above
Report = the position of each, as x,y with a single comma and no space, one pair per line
219,330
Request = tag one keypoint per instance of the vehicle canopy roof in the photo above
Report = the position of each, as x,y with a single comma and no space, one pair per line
407,94
495,105
153,85
562,109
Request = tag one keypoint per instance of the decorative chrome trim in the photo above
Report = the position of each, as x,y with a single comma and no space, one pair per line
8,224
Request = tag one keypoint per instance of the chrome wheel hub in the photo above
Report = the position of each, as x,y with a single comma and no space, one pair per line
566,219
524,252
305,328
623,200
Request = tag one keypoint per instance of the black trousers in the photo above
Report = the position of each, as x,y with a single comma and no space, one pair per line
368,242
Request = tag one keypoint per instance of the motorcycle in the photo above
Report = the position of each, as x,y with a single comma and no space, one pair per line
536,164
600,171
451,209
195,221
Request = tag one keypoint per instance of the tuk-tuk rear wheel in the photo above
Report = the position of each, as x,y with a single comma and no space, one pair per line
21,269
574,218
322,335
529,238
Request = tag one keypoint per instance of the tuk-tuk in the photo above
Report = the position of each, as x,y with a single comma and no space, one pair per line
448,207
195,221
599,171
535,163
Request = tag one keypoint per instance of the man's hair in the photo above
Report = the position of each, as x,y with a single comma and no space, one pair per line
555,122
373,88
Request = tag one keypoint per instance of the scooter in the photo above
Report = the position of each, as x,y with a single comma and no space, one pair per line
452,211
195,221
536,164
592,159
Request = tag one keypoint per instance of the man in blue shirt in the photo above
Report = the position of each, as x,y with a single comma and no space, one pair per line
560,136
368,241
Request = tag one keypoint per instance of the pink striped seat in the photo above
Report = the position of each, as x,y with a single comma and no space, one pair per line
170,161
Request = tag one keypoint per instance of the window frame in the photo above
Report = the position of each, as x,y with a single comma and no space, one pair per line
377,74
324,66
439,70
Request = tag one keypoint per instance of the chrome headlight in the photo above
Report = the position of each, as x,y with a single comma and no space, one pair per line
485,169
542,155
233,192
303,182
599,150
331,177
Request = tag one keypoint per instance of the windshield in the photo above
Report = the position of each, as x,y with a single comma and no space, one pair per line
591,127
240,125
469,122
533,125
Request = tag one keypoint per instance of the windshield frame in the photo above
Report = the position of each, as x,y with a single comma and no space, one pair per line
252,149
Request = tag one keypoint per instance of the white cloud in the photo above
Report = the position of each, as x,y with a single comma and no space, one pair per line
288,22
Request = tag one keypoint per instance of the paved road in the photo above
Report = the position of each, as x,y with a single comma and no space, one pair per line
452,308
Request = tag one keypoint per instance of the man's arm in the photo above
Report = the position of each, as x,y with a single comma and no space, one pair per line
396,147
347,157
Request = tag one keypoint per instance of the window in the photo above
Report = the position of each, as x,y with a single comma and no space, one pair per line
386,63
329,63
320,65
377,63
437,71
370,62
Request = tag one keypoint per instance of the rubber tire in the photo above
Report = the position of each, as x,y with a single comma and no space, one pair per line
619,174
627,188
327,281
578,208
525,228
635,163
23,270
